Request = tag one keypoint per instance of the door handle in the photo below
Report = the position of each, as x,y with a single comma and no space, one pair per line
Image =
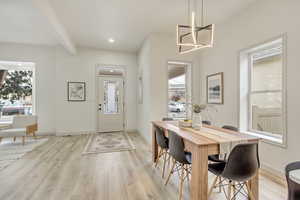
100,107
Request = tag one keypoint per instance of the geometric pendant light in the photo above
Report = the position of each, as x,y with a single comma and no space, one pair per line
193,37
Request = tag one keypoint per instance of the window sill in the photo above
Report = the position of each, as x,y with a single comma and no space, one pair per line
6,119
269,139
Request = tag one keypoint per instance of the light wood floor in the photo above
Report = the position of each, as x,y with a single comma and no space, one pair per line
57,170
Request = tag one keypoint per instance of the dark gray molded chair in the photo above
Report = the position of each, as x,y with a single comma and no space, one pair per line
293,187
206,122
163,144
216,158
241,167
181,160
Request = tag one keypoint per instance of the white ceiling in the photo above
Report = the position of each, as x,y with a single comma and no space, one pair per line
91,23
21,22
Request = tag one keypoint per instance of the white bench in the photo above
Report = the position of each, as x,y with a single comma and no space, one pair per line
22,126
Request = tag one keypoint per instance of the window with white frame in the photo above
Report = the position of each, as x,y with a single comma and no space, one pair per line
17,94
262,90
179,89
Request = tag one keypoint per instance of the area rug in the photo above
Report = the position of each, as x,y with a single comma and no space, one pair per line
108,142
12,151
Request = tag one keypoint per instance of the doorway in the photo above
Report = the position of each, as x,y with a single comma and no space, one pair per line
179,89
110,114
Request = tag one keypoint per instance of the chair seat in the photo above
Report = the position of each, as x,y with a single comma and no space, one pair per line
215,158
13,132
216,168
188,156
295,175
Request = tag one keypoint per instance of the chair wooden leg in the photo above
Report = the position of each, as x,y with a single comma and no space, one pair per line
34,135
234,191
0,139
164,164
23,140
220,187
158,157
229,191
171,172
187,175
169,160
249,191
181,182
213,186
15,139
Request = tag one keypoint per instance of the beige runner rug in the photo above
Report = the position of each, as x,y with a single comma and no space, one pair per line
108,142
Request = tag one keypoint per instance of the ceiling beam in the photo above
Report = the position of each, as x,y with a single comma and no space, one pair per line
60,31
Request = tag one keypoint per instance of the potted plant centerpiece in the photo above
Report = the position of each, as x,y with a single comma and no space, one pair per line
197,118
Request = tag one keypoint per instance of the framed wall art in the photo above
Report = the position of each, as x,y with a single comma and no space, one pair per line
215,88
76,91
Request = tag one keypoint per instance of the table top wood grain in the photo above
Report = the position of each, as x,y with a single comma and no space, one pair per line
202,136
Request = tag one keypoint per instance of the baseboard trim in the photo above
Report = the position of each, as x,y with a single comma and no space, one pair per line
45,133
131,130
273,174
65,133
84,132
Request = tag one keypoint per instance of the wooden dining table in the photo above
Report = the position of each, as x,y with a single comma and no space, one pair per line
201,145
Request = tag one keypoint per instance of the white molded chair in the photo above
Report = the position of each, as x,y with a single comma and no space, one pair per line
22,126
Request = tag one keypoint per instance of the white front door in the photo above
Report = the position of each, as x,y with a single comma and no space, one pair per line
110,104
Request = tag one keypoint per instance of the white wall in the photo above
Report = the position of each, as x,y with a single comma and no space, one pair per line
54,68
262,21
156,51
81,116
44,58
144,109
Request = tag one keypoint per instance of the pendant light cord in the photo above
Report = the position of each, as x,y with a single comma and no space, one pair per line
195,7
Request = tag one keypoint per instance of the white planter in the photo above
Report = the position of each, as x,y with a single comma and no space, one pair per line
197,121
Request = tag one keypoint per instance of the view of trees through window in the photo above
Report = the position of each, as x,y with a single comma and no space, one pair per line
16,93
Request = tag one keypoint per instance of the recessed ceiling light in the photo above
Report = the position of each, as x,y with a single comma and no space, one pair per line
111,70
111,40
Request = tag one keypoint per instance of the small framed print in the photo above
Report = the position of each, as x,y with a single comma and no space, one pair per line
215,88
76,91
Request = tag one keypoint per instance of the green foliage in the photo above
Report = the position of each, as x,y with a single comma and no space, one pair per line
175,98
17,85
198,108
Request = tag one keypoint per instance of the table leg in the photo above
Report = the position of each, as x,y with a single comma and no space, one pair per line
199,185
154,146
254,186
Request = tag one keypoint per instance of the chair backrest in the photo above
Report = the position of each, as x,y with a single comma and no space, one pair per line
232,128
162,141
167,119
21,121
242,163
206,122
293,187
176,147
